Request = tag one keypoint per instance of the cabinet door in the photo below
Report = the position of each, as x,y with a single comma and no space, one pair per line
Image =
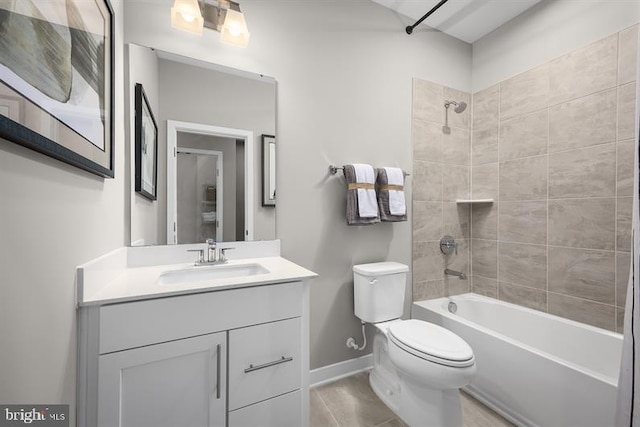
174,384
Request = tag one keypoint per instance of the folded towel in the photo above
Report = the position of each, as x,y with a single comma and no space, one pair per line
391,200
353,211
367,204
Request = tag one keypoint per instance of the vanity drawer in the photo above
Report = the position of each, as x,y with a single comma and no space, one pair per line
264,361
140,323
281,411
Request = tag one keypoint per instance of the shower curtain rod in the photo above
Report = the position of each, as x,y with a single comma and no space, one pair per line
410,28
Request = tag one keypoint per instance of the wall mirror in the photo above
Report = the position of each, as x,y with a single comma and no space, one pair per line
211,121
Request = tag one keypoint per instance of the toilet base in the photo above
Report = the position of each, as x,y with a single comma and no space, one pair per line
416,404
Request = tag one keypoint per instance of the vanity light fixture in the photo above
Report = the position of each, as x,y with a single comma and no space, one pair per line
220,15
186,16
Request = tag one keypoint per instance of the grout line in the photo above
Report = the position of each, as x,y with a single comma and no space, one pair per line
327,408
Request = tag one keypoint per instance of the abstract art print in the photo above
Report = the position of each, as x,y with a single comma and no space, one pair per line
56,79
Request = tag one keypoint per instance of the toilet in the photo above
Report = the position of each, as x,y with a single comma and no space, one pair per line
418,366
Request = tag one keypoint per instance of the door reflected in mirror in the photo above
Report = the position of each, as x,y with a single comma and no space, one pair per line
206,95
268,170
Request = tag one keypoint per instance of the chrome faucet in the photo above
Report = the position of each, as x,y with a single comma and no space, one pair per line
459,274
215,254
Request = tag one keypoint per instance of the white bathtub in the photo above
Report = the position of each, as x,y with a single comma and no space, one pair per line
534,368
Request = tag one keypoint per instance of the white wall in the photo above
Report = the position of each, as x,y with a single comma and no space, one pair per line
550,29
53,217
344,72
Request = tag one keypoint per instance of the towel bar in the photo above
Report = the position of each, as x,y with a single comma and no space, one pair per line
334,170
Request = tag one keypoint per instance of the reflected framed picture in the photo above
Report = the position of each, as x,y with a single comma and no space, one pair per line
56,80
268,170
146,136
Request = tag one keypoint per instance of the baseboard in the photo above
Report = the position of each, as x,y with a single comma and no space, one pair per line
334,372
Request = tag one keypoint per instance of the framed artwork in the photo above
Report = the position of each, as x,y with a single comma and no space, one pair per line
56,80
146,135
268,170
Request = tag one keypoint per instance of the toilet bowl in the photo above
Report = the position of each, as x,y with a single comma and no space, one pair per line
418,367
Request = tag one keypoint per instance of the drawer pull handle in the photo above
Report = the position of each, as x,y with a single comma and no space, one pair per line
218,363
252,368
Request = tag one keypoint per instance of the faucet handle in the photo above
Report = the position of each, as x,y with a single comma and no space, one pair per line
200,255
223,256
210,241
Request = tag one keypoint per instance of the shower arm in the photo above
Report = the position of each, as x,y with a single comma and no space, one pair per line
410,28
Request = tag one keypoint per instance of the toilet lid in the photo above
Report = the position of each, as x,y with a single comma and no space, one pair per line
431,342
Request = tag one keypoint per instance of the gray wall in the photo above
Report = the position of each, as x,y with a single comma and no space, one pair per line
53,217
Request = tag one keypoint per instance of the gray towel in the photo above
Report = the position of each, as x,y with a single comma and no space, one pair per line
383,198
353,218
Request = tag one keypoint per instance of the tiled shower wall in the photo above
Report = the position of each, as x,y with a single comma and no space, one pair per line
554,148
441,169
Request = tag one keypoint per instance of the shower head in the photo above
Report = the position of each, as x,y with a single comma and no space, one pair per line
460,107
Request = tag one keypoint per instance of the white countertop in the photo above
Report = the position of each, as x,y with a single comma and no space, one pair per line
109,280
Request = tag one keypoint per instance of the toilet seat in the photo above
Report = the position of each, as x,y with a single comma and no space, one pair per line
431,342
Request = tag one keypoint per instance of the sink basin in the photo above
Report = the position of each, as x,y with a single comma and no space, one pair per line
214,272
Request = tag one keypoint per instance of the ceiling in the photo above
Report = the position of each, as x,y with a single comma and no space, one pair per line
467,20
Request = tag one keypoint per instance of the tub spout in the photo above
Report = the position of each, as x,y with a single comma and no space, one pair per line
459,274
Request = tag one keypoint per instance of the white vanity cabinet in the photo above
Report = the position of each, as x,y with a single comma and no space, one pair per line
235,357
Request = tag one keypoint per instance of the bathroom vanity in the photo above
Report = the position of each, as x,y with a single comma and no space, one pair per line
164,343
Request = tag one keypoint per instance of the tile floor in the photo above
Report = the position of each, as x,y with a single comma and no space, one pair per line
350,402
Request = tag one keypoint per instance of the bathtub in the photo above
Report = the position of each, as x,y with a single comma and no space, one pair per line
534,368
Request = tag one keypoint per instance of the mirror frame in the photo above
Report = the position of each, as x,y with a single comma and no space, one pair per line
173,127
268,168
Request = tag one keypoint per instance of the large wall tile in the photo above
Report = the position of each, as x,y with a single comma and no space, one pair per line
524,265
625,157
523,222
456,286
586,121
484,286
584,71
521,295
623,264
427,141
524,179
485,107
620,320
628,56
428,261
525,93
427,221
484,221
456,220
428,101
623,223
582,273
626,111
455,182
592,313
428,290
582,223
427,181
524,136
484,181
484,261
456,147
484,145
458,120
585,172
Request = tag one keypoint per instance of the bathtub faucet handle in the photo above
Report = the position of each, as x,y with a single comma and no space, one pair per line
448,245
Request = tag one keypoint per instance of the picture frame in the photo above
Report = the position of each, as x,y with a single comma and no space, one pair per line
146,150
268,170
54,97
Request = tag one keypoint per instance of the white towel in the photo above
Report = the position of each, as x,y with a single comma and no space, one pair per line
367,203
397,204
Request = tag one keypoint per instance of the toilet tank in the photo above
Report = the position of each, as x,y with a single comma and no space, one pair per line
378,291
